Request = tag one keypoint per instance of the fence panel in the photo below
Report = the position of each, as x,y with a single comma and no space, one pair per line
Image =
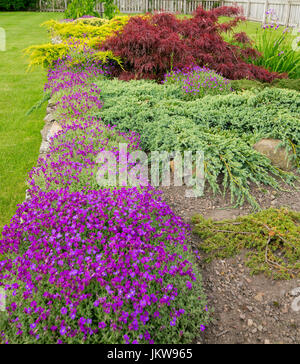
288,11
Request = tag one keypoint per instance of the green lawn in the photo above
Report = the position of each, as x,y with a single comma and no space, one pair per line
20,136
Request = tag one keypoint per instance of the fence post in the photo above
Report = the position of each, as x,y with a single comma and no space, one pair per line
265,11
248,9
288,13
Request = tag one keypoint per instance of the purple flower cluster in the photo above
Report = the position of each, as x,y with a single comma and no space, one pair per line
81,101
69,72
199,81
114,253
70,79
71,162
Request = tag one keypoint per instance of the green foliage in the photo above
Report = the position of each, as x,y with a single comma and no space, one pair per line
278,55
225,128
246,85
110,8
96,22
46,97
287,83
45,54
271,236
79,8
86,29
17,4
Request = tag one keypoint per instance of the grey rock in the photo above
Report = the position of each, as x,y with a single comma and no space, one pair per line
44,147
49,118
278,155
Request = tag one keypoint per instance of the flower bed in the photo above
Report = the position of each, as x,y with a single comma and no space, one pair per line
85,264
100,267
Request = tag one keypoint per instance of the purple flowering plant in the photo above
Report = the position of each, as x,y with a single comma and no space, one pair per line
108,266
198,82
71,162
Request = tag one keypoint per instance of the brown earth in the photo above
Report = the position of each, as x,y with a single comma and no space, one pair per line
247,309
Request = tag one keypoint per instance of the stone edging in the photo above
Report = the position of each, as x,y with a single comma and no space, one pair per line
49,130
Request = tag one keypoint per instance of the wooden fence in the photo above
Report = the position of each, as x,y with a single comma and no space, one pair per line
288,11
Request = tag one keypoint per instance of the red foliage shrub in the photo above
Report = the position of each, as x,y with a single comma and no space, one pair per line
151,46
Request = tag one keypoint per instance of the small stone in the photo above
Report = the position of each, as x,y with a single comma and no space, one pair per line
267,341
259,297
242,317
250,322
49,118
27,195
55,128
44,147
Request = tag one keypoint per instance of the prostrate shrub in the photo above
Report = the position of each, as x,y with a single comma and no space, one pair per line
288,84
153,45
272,238
198,82
101,267
225,128
244,85
248,85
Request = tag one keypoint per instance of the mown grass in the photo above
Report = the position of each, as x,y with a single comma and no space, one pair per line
20,136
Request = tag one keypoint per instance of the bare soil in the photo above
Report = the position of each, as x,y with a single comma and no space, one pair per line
247,309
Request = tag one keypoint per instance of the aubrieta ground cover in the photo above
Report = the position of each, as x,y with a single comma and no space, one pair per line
198,81
91,265
99,267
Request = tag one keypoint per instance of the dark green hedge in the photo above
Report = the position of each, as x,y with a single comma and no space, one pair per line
17,4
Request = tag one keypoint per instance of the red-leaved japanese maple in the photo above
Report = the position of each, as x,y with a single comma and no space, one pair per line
152,45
